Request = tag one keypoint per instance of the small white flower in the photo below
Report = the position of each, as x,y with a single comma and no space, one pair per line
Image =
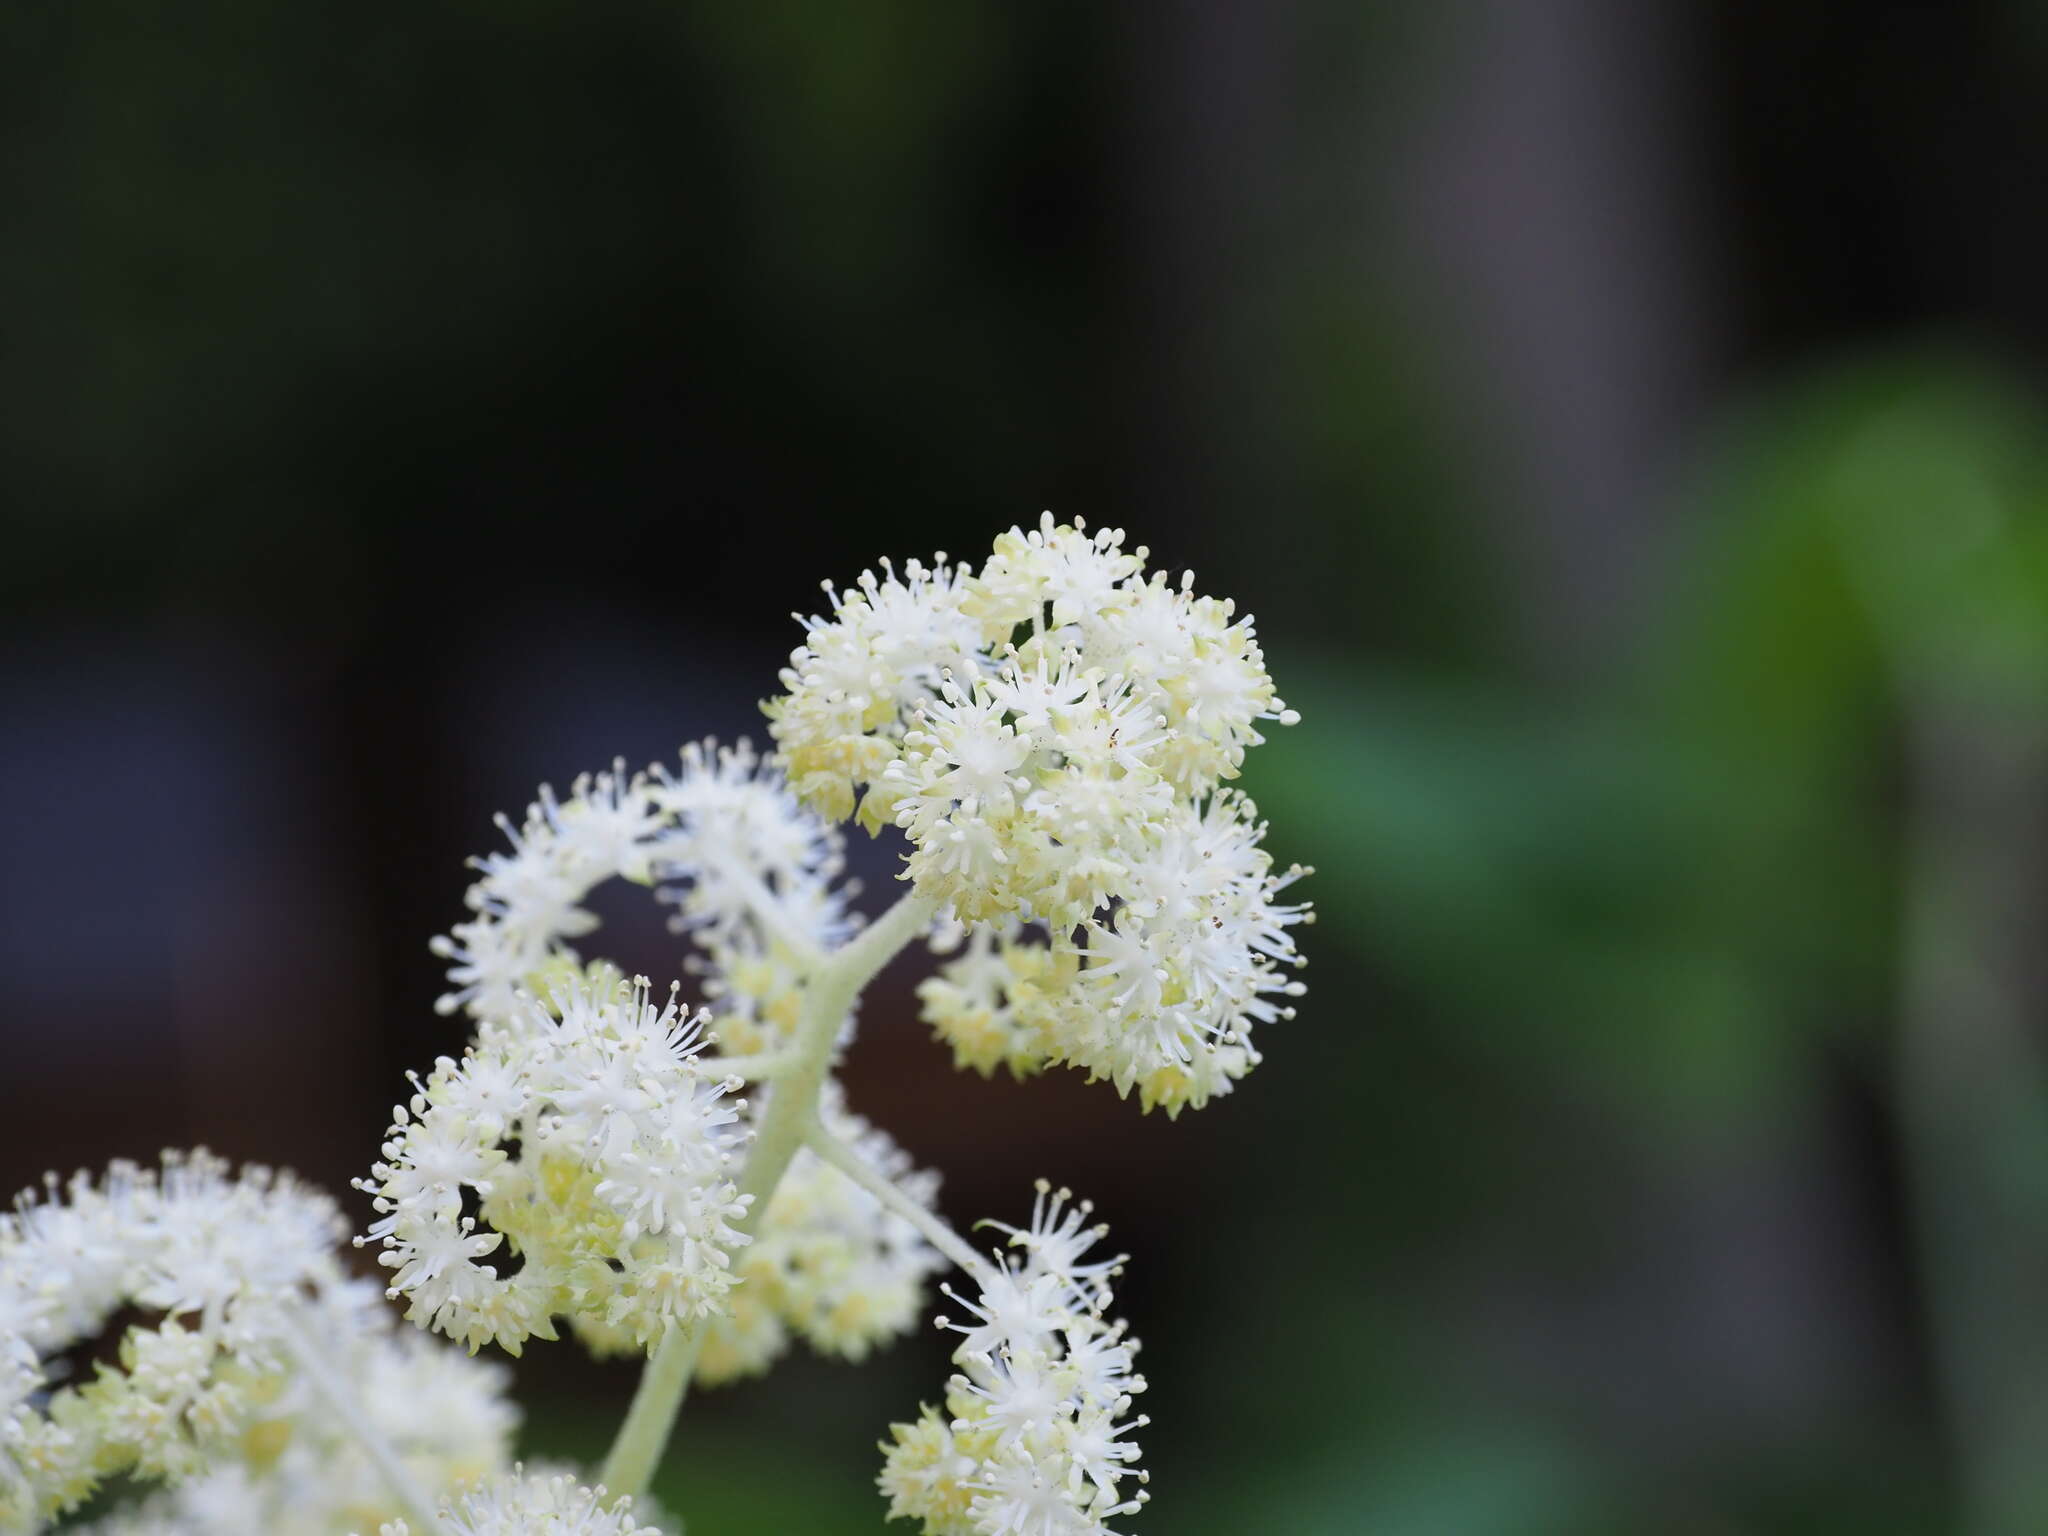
534,1504
1065,777
214,1397
223,1258
743,861
734,834
987,1001
1036,1439
1059,1238
619,1203
851,686
1067,572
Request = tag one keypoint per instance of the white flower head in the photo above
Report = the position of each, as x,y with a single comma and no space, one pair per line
745,864
215,1397
1060,603
523,1503
298,1469
735,839
1170,984
1056,774
988,1002
598,1155
849,688
224,1259
1035,1437
1158,993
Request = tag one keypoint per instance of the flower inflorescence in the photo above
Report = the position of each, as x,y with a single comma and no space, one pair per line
1054,735
298,1470
750,872
1034,1436
523,1503
576,1161
216,1256
594,1144
236,1275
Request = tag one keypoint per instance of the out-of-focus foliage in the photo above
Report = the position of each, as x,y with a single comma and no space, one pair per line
1676,898
1675,883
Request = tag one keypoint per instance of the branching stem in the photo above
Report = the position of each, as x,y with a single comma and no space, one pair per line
328,1382
768,910
885,1189
789,1113
761,1067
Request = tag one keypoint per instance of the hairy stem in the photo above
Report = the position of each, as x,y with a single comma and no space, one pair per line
417,1507
664,1383
773,916
877,1183
757,1068
790,1111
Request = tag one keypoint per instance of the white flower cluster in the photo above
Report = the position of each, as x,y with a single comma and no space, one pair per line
1052,734
990,1001
1034,1439
596,1150
533,1504
747,868
214,1396
303,1473
499,1153
217,1256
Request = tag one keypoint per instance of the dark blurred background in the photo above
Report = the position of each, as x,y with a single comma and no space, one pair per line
1622,418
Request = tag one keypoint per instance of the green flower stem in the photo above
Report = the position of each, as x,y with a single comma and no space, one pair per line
770,912
664,1383
758,1068
877,1183
791,1111
329,1384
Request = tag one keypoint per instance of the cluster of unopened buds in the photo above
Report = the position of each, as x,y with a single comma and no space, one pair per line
1054,736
